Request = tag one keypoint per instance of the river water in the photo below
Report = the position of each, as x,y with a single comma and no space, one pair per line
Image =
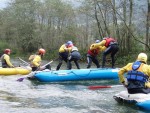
65,97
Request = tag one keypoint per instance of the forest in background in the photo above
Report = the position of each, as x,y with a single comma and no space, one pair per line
26,25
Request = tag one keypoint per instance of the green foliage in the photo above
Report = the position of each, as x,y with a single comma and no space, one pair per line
83,55
3,46
123,60
27,25
51,54
70,35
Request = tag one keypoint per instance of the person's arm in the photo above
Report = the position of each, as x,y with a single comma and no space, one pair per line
146,68
7,58
122,71
102,48
102,43
92,47
36,61
148,71
62,48
96,45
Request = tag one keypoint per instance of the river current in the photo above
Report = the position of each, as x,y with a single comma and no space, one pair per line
64,97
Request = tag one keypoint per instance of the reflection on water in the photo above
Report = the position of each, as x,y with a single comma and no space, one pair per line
65,97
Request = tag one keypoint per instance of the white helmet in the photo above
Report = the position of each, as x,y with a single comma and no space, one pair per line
142,57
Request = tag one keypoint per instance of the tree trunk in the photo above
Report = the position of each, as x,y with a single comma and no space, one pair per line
130,29
104,20
147,41
98,22
116,28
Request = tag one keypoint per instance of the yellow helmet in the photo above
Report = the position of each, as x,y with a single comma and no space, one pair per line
142,57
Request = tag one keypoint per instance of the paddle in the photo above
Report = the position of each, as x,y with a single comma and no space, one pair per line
102,87
21,79
47,64
23,61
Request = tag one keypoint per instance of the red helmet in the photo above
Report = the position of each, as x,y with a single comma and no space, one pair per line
6,51
42,51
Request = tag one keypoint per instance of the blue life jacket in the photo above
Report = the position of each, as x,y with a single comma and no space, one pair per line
135,75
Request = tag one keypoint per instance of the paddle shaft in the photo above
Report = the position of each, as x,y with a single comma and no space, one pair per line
47,63
21,79
102,87
24,61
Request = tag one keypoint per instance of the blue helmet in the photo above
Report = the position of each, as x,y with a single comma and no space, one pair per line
97,41
69,43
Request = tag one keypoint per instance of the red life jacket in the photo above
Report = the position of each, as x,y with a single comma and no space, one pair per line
93,52
108,41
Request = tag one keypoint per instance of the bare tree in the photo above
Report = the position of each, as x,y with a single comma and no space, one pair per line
147,41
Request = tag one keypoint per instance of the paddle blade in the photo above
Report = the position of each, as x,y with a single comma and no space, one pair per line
98,87
20,79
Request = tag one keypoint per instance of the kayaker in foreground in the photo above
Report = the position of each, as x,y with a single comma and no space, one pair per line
93,53
5,59
138,74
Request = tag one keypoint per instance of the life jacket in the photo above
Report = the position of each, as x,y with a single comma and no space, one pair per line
93,52
4,63
110,41
136,78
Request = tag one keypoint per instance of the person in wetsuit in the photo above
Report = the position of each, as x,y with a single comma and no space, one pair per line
64,53
75,56
93,53
138,73
111,48
5,59
37,59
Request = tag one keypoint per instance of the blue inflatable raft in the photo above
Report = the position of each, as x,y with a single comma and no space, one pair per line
76,75
140,100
